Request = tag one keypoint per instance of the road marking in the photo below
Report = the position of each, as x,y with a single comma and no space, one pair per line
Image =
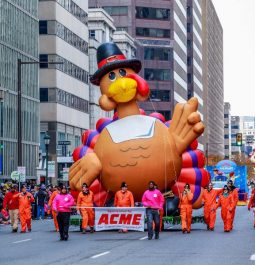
143,238
252,257
25,240
100,254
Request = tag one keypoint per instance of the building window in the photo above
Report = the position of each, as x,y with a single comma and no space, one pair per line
226,126
72,101
67,67
190,93
189,44
151,32
226,146
75,10
188,27
189,60
43,58
157,74
226,115
160,95
44,94
152,13
188,11
92,34
116,10
122,29
161,54
189,78
226,136
43,29
56,28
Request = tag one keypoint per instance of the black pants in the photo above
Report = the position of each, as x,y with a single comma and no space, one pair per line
152,215
63,223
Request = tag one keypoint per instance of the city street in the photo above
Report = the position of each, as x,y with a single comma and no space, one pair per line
42,246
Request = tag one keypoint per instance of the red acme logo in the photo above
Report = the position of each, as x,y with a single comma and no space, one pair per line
118,219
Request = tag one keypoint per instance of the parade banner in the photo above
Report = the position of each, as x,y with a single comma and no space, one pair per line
109,218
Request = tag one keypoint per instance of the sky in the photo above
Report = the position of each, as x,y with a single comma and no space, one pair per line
238,21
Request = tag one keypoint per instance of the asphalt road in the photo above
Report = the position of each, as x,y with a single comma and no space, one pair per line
201,247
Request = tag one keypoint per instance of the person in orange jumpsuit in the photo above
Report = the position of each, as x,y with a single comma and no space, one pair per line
54,215
251,203
185,206
85,199
124,198
209,200
227,203
234,192
25,199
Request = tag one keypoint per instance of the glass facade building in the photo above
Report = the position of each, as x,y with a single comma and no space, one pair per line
19,40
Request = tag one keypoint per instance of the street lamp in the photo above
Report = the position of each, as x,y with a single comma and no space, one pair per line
19,116
46,142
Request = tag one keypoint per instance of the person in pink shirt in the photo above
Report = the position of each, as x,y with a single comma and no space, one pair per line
62,206
153,200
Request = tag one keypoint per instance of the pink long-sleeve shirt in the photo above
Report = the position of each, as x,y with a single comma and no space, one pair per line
63,202
153,199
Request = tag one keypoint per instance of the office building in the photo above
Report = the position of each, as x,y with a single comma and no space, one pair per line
64,88
18,40
212,38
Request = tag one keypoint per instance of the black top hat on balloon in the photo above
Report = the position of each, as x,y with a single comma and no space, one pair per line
110,57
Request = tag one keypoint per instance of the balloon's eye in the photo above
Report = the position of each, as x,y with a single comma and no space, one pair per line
112,76
123,72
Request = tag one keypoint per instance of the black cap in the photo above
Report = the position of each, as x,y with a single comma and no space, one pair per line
85,185
123,184
110,57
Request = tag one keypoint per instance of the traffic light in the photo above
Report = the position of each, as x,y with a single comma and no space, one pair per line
239,139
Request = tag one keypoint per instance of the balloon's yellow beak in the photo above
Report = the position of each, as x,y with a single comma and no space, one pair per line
123,89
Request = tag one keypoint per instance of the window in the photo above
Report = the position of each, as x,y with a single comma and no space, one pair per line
226,146
190,93
189,78
189,61
157,74
67,67
161,54
92,34
43,58
116,10
74,9
160,95
152,13
43,29
226,115
189,44
226,136
56,28
151,32
122,29
43,94
188,11
188,27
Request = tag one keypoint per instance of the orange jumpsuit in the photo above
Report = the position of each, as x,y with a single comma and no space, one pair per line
88,214
209,199
226,204
54,214
25,209
252,204
125,199
234,194
185,206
